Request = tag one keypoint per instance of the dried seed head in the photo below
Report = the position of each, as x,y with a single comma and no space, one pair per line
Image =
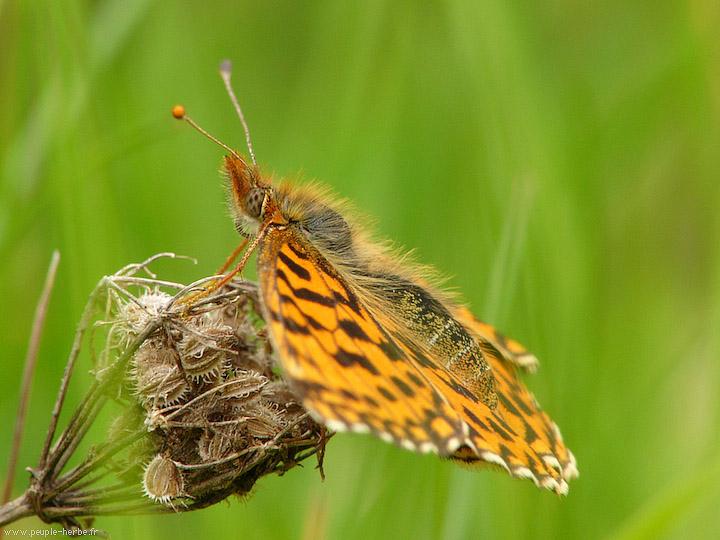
205,364
152,352
162,384
157,379
220,442
137,316
244,384
162,480
264,420
206,410
205,347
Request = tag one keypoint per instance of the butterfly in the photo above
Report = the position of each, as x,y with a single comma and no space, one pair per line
370,344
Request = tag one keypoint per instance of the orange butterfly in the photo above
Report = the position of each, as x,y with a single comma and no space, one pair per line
371,346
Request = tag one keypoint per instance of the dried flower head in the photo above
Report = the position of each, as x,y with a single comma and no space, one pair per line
155,377
203,413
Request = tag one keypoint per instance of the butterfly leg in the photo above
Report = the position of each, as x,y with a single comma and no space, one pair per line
215,285
235,271
233,256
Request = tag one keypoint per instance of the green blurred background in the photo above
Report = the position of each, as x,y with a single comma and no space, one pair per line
561,162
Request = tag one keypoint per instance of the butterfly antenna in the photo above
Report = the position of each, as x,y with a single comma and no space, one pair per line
225,70
178,112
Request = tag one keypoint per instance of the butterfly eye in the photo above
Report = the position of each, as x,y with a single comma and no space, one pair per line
254,202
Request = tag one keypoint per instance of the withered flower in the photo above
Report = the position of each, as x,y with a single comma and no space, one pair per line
200,413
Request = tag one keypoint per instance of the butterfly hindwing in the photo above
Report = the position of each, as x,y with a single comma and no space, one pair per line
509,349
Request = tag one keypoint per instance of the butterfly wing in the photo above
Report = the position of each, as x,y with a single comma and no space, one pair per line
518,435
353,375
349,372
517,405
509,349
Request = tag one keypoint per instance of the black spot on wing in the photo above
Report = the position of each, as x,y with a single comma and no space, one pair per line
305,388
294,267
423,360
459,388
415,379
529,462
402,386
352,329
313,322
367,421
501,339
530,434
475,420
349,301
408,429
299,254
500,430
350,359
437,399
295,328
291,351
506,453
348,395
549,433
311,296
528,410
392,351
390,428
371,401
287,300
275,316
387,394
505,402
283,277
491,349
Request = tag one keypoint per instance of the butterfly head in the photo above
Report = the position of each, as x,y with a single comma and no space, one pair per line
253,199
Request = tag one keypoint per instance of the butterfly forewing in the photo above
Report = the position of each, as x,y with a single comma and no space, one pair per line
347,369
355,375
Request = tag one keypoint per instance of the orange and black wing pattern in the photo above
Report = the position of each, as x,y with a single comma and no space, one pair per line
518,436
353,373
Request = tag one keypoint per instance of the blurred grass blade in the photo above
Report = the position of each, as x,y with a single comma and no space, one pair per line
661,514
30,361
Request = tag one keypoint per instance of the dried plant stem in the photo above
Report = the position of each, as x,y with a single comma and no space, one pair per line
14,510
86,411
93,463
69,368
84,324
